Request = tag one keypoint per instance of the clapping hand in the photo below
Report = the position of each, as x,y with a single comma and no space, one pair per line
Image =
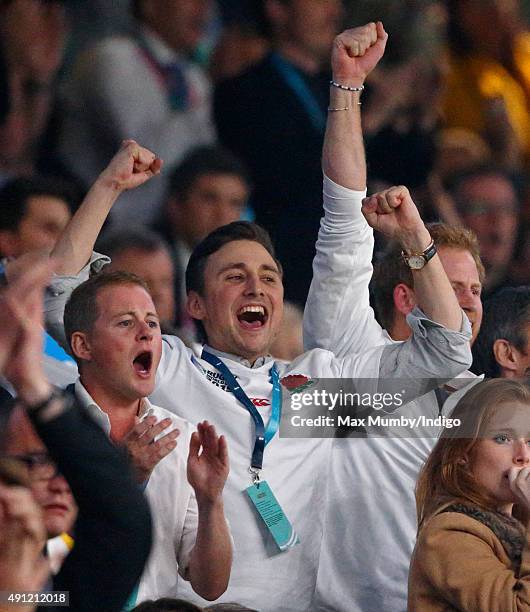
143,448
207,471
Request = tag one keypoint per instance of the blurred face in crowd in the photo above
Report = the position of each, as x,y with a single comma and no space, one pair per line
181,23
213,200
122,351
242,305
311,25
45,219
489,207
49,488
505,444
156,269
462,273
518,366
476,16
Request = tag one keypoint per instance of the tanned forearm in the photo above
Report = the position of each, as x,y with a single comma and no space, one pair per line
211,558
74,247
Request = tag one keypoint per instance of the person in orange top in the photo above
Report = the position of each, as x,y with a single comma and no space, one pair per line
488,85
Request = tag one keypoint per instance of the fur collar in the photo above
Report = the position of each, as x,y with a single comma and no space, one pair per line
509,530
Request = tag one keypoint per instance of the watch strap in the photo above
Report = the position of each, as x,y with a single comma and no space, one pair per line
427,254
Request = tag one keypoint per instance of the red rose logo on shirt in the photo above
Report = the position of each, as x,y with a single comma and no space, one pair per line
296,382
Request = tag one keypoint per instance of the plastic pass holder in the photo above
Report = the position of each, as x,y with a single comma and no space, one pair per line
272,514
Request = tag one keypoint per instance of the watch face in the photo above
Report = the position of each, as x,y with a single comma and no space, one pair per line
416,262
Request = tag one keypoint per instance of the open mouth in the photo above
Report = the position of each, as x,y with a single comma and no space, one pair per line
252,316
60,508
143,362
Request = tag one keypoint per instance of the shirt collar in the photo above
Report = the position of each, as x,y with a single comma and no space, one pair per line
162,53
99,415
260,361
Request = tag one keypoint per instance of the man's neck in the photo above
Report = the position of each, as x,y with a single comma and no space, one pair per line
307,62
120,410
251,359
400,329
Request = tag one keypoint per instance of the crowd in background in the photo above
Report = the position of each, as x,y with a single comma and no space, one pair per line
445,113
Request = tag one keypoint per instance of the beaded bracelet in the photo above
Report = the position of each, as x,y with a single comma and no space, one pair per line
346,87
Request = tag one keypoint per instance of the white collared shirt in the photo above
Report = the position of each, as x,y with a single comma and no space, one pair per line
172,501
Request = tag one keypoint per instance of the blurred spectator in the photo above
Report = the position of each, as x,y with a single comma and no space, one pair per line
208,189
487,202
94,20
143,87
146,254
32,34
273,116
22,537
289,343
488,86
459,149
242,42
502,348
240,46
49,487
33,213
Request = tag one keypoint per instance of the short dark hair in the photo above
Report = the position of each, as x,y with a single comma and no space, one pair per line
390,270
115,242
506,314
200,162
238,230
14,196
81,310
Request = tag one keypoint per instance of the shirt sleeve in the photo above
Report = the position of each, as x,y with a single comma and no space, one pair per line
58,293
338,316
432,355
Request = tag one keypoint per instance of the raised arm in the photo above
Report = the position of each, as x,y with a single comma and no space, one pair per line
355,54
132,166
394,213
338,316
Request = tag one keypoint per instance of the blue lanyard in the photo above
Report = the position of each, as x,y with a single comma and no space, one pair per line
297,84
263,435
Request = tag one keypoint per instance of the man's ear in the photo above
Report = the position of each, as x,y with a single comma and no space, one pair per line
404,298
506,355
81,346
195,306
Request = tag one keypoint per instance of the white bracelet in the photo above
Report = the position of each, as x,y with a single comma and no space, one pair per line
346,87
